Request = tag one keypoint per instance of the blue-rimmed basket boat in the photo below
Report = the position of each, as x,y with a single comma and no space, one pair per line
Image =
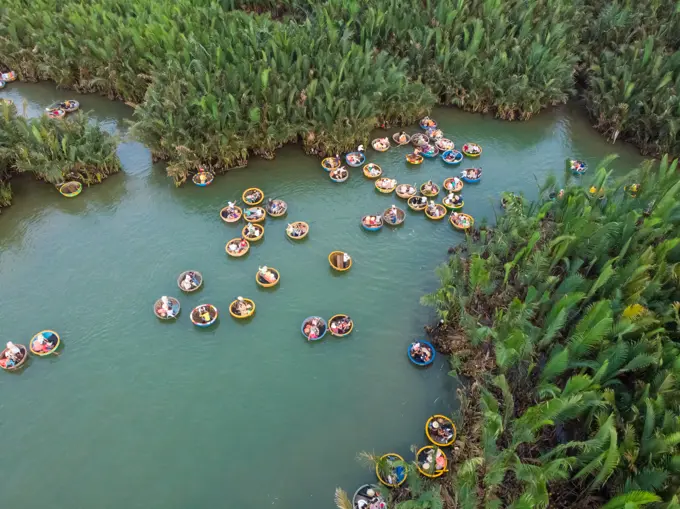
427,123
416,361
196,179
336,178
323,329
429,151
457,157
471,180
199,321
374,228
358,162
578,167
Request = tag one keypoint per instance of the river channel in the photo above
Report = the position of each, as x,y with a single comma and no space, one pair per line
138,413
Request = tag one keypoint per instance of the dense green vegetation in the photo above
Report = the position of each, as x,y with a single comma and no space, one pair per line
54,151
564,320
216,81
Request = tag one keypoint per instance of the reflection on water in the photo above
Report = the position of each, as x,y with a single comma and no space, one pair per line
148,414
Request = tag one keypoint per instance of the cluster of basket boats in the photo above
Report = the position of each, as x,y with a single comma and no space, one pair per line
392,470
426,145
15,357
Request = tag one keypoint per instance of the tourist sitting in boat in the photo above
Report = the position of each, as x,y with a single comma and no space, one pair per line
189,282
472,173
202,176
386,183
429,187
441,430
381,144
460,220
314,328
165,310
392,215
238,246
13,355
267,274
428,122
252,231
450,156
454,199
473,148
275,206
354,158
578,166
433,210
341,325
44,342
374,170
403,137
373,221
421,200
253,196
360,148
231,212
241,307
452,184
296,230
204,314
254,213
421,353
437,458
339,173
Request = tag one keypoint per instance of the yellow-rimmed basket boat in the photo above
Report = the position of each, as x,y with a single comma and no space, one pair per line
258,232
440,422
389,470
254,214
49,337
71,189
405,191
241,315
450,205
430,193
464,222
414,158
381,144
238,251
394,216
372,171
330,163
276,208
426,461
415,203
231,214
401,138
262,281
337,260
472,150
162,314
438,214
193,283
203,178
451,186
386,185
334,330
299,227
18,365
252,196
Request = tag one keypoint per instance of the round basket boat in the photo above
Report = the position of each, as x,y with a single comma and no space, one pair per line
464,222
452,186
372,226
334,323
429,151
394,216
426,461
203,178
419,139
472,150
426,355
355,159
261,280
247,308
71,189
339,174
433,191
449,204
68,106
14,367
381,144
231,214
405,191
311,322
444,144
385,185
252,196
44,343
56,114
237,251
427,123
372,171
578,167
330,163
161,311
297,230
471,180
438,214
204,315
338,262
9,77
276,208
390,470
452,157
368,497
440,430
254,214
257,232
401,138
435,133
193,283
414,158
416,203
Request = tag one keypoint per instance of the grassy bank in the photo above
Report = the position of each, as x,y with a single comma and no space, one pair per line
53,151
216,81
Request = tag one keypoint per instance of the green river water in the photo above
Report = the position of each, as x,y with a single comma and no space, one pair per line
138,413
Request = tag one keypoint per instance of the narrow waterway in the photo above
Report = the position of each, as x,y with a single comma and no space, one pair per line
137,413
